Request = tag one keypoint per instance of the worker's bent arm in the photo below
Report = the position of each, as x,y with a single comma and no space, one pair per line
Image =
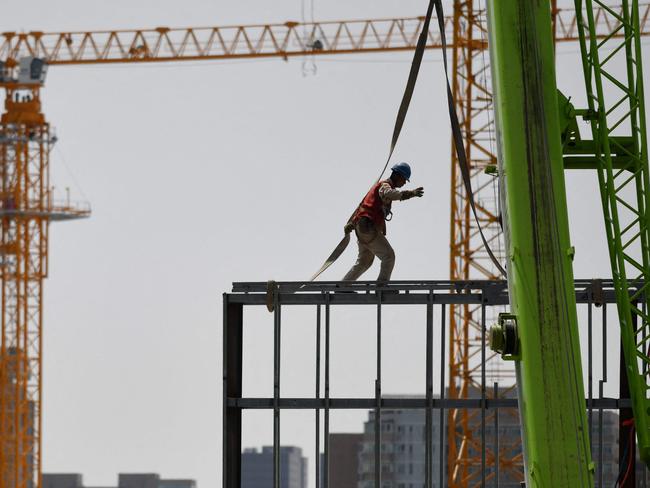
388,194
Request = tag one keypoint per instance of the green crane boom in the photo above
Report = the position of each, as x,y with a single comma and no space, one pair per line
541,333
540,275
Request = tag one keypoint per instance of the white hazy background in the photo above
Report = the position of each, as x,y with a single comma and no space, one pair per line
201,174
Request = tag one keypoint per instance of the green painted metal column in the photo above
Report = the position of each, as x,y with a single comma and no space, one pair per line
540,274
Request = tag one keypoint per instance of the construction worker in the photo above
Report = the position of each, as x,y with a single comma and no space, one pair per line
369,223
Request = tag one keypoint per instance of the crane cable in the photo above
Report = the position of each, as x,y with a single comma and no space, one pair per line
399,122
308,63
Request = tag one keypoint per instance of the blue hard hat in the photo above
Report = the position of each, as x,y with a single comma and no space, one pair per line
402,169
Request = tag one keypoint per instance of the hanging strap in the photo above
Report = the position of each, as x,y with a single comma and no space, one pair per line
399,123
338,250
458,137
410,86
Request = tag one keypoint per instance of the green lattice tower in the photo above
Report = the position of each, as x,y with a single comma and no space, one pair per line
617,118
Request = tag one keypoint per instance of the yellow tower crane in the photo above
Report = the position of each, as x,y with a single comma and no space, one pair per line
27,205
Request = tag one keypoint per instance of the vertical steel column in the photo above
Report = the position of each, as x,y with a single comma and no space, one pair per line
443,342
232,388
645,332
317,453
601,394
590,375
378,397
277,346
540,276
326,429
626,440
429,394
496,437
483,397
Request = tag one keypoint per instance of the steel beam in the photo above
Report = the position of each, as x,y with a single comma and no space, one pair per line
233,319
486,292
404,403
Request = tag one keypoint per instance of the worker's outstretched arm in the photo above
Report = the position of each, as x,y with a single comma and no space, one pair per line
389,194
406,194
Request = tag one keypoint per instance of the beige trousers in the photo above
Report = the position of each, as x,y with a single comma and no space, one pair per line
371,243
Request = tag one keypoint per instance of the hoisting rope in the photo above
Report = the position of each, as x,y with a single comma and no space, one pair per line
399,122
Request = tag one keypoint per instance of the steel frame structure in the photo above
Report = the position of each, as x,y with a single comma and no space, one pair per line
26,208
468,257
616,114
322,297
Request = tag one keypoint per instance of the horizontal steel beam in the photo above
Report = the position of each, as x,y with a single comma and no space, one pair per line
403,403
401,292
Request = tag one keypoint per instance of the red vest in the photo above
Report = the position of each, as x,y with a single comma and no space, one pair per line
373,207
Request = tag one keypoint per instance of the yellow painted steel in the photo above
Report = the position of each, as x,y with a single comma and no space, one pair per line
26,207
247,41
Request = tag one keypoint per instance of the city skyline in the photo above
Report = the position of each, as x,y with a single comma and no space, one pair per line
124,480
351,455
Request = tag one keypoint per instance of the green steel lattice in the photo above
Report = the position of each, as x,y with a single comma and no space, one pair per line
617,118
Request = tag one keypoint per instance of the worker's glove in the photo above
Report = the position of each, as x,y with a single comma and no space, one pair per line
349,227
407,194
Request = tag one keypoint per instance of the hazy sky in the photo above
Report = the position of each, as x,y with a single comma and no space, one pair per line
202,174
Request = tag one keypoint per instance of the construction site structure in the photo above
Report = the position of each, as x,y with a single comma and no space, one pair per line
25,136
472,93
27,206
618,149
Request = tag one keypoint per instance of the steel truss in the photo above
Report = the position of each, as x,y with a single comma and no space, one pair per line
23,268
616,114
26,209
249,41
468,258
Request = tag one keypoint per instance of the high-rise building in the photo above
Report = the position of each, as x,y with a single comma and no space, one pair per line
257,468
344,450
125,480
402,450
610,447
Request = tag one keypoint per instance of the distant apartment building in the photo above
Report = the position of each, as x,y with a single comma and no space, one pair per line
343,462
403,450
609,447
125,480
257,468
